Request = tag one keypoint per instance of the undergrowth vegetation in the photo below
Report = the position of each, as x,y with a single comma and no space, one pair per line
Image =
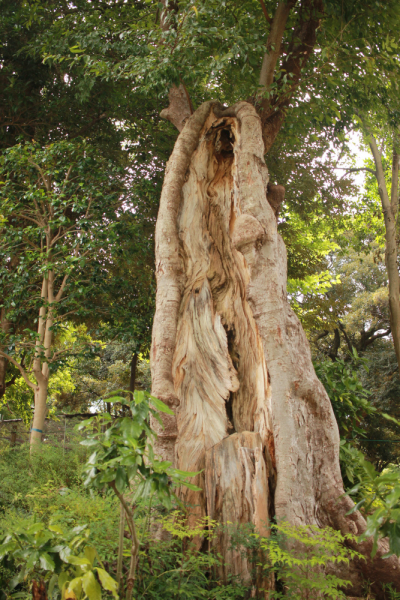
98,518
54,529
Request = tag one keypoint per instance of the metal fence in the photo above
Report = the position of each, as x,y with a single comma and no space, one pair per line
59,431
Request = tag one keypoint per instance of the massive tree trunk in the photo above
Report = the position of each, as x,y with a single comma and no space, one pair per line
228,353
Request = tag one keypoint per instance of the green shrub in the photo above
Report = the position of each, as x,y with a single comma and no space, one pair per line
50,467
300,556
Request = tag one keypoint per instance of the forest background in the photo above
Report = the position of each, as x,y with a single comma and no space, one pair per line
83,153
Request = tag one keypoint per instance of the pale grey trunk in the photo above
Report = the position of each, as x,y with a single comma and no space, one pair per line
228,352
390,208
39,415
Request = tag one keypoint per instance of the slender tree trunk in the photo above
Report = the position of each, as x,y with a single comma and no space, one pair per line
132,379
228,353
5,327
3,370
390,207
39,415
43,351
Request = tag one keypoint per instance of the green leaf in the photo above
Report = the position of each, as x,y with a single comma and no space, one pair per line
65,553
91,586
6,548
89,442
159,405
191,486
32,560
56,529
185,473
53,581
17,579
389,418
62,579
107,582
46,562
90,554
75,585
121,480
78,560
394,538
356,506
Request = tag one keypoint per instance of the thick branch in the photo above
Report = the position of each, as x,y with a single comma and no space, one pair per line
336,345
274,43
264,9
273,111
21,369
346,337
180,107
377,336
62,288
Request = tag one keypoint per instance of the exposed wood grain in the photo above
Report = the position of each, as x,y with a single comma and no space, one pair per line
229,353
237,496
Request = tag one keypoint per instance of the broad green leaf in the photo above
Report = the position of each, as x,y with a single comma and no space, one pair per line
46,562
107,582
121,480
52,584
32,560
394,538
89,442
63,578
75,585
56,529
91,586
6,548
159,404
90,554
185,473
64,553
78,560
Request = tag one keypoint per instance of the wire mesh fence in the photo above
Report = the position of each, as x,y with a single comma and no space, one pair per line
58,432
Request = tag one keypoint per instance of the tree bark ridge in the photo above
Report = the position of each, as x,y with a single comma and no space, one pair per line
228,352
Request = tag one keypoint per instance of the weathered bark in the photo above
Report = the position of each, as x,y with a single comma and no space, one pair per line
228,353
224,485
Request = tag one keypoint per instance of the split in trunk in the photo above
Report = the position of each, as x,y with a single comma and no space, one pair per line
228,353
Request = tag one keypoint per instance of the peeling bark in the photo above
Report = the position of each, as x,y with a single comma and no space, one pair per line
224,484
228,353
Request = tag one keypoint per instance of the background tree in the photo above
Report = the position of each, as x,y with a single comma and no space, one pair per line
59,204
